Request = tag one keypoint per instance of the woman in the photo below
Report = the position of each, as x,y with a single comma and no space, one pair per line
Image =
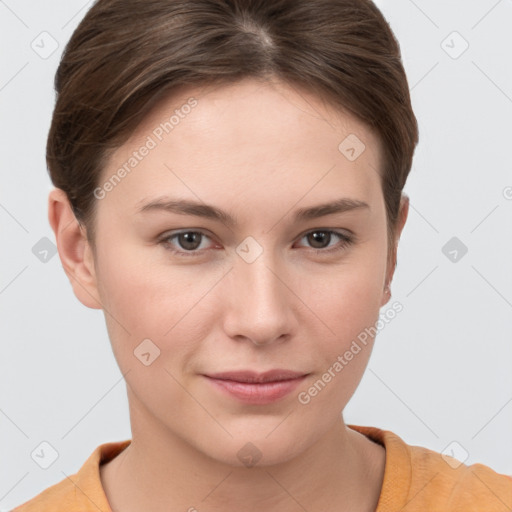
229,178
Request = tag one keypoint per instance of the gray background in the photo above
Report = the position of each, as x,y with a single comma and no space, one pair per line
440,371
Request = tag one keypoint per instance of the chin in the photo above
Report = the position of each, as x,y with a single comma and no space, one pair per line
254,447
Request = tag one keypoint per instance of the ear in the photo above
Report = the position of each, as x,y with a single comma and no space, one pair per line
402,217
74,250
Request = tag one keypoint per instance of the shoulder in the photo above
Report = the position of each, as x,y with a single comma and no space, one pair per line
80,492
417,478
58,498
444,482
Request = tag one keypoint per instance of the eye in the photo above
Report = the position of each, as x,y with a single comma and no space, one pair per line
320,237
188,241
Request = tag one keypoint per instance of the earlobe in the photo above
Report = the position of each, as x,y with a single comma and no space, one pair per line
74,250
386,295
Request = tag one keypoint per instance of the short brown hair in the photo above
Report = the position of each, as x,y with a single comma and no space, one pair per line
125,53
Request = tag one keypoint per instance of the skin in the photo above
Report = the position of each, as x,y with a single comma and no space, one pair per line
259,151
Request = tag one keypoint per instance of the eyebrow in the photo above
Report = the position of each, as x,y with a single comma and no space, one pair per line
198,209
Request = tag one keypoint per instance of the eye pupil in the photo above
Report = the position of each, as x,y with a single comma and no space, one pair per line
319,236
189,237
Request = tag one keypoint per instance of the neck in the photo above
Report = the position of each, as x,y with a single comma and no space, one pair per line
158,471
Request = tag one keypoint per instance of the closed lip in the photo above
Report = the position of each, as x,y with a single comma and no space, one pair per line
251,376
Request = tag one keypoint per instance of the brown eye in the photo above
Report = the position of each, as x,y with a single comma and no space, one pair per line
320,239
184,243
189,240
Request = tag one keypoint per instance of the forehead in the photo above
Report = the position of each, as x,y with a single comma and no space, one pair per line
246,138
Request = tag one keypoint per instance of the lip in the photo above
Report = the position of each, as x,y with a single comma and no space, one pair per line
251,376
257,388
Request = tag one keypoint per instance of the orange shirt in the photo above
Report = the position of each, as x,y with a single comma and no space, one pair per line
415,479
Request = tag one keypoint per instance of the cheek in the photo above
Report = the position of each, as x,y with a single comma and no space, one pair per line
348,297
159,302
351,312
347,302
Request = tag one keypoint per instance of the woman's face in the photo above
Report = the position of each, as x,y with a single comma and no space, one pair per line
268,289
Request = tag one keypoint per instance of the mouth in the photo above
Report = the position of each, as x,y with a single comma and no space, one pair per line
257,388
250,376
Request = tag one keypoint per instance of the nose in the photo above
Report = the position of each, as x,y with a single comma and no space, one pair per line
260,306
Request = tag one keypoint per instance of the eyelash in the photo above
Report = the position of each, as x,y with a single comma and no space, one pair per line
346,240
